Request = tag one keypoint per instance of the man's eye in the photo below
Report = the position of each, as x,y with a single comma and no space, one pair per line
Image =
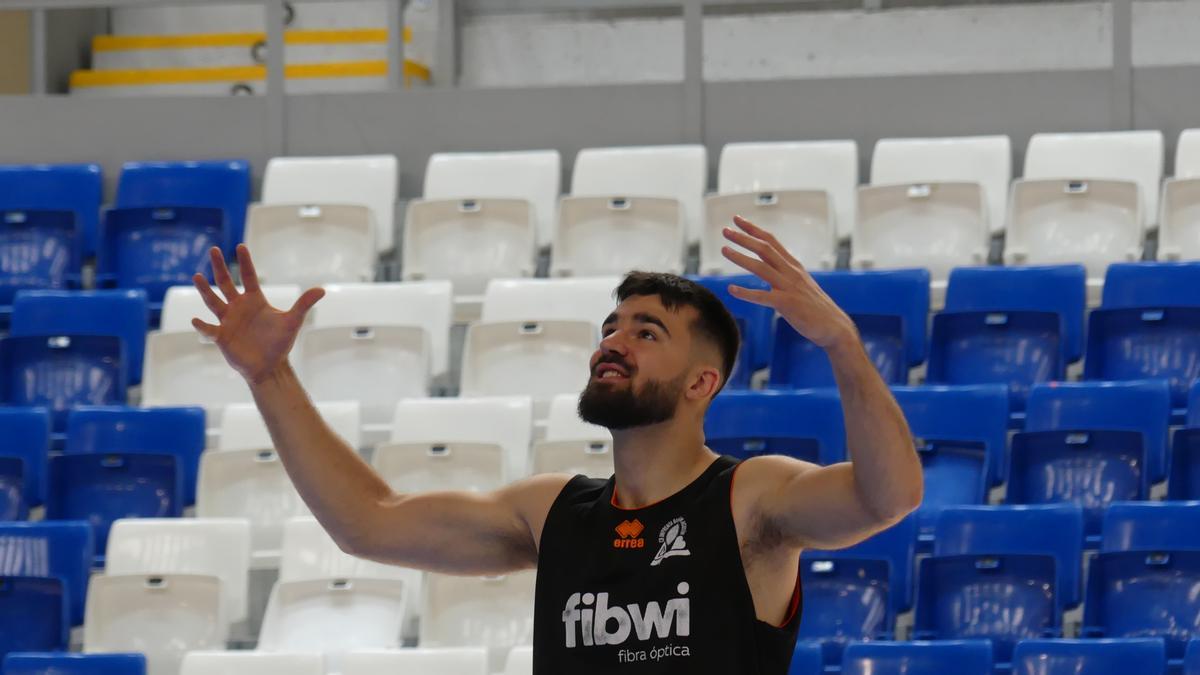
649,334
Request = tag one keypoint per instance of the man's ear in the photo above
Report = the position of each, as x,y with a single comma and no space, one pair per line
705,382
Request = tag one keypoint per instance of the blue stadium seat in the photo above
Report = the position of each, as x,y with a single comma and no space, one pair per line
968,413
895,546
38,250
1013,326
1184,482
1144,594
62,371
156,248
962,657
122,313
102,488
1004,598
1125,406
33,614
77,188
1151,284
754,322
120,429
1151,526
27,437
955,475
61,550
221,184
1093,657
62,663
890,307
806,424
845,600
1088,468
1053,530
807,659
798,363
1191,659
13,504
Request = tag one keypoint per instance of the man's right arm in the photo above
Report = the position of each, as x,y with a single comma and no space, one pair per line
449,532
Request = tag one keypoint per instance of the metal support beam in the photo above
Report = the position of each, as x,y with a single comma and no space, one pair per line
37,49
445,64
1122,69
693,70
276,97
395,43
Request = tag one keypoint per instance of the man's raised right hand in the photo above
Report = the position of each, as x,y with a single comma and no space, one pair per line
254,336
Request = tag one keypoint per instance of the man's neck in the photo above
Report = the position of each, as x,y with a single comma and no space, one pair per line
656,461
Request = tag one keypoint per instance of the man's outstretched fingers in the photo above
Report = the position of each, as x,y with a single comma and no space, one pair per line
761,248
221,274
210,298
758,297
246,265
306,301
766,236
754,266
206,329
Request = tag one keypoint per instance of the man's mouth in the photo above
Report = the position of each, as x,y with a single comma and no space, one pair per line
611,372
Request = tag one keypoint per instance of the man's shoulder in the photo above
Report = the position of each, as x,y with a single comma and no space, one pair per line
761,477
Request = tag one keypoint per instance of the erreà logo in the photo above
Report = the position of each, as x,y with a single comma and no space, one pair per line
673,543
599,624
627,534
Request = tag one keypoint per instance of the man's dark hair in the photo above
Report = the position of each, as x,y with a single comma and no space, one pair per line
714,322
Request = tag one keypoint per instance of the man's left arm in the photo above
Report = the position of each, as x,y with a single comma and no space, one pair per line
838,505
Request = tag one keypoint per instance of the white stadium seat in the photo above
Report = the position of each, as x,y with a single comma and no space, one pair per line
182,303
600,236
1085,198
250,484
161,616
673,171
243,428
802,192
528,358
520,661
417,661
464,443
429,304
186,368
367,180
334,616
534,175
311,244
496,612
572,445
253,663
588,299
374,365
218,547
1179,222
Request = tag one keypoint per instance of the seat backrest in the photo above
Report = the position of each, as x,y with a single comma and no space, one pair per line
124,313
1193,418
976,412
1095,656
533,175
1143,405
1151,526
259,663
896,545
1135,156
182,303
496,612
1145,595
243,428
177,431
34,614
334,615
969,657
223,184
520,661
60,372
1151,284
831,166
986,160
60,549
63,663
1042,288
1045,529
369,180
677,171
27,435
216,546
584,299
449,661
310,553
564,424
78,188
1187,154
815,414
507,421
888,292
428,304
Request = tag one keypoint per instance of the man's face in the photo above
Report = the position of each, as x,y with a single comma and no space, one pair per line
640,371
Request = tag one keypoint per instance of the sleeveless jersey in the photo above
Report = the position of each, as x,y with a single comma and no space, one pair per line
659,589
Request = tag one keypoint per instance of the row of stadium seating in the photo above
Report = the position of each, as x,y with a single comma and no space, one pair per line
931,203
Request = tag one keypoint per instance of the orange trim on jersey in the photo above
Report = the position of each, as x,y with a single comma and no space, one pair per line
794,603
618,507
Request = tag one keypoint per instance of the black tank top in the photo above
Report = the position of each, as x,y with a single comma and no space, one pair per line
660,589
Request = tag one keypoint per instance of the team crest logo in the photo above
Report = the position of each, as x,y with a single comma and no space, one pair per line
672,541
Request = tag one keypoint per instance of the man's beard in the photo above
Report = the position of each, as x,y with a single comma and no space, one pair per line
621,408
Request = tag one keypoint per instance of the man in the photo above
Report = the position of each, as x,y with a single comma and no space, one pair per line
670,566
